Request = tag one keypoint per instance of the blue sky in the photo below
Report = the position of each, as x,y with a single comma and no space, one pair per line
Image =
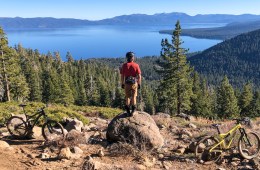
100,9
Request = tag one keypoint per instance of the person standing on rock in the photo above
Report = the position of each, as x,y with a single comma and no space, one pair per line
131,82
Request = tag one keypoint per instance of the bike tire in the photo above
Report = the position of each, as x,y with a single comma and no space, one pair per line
52,130
202,150
254,140
17,127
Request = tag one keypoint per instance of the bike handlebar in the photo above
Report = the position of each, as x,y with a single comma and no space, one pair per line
244,120
41,109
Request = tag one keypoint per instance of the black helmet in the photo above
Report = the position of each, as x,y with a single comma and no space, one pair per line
129,55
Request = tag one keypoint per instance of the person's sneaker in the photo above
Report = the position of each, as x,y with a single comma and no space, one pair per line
127,108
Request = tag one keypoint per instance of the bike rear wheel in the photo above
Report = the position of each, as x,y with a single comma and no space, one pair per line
202,150
17,127
249,145
52,130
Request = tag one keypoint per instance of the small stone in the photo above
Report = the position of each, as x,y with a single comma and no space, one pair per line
234,163
191,125
65,153
180,150
201,147
44,156
77,150
165,150
97,134
101,153
161,156
235,159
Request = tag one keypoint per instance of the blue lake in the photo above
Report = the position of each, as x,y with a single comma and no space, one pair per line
104,40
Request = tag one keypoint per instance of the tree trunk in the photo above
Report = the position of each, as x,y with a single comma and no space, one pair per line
6,84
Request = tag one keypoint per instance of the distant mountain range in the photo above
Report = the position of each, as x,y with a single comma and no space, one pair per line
135,19
238,58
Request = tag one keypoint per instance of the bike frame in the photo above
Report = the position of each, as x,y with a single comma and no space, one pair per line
223,137
35,120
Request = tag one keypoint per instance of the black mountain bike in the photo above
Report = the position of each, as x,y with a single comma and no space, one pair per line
20,128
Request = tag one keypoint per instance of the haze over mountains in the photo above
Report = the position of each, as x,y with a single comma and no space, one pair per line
134,19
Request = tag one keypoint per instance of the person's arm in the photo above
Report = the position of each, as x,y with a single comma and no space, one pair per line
122,79
139,78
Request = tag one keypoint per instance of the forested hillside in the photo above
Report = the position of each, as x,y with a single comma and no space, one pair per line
238,58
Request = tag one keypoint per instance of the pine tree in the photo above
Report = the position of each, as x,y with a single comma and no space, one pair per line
245,99
15,85
30,68
175,89
226,100
119,100
147,95
197,93
201,98
3,73
66,94
105,98
254,107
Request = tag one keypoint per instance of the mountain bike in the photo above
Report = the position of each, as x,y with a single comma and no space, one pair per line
210,148
20,128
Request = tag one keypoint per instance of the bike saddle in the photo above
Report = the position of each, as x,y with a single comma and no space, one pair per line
216,125
22,105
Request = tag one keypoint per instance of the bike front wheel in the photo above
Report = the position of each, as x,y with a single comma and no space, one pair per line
52,130
249,145
202,150
17,127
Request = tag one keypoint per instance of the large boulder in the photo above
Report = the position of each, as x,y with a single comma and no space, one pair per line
139,130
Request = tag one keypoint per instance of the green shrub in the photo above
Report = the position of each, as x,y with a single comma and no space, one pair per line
57,111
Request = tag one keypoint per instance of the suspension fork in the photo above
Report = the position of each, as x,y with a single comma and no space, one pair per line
244,136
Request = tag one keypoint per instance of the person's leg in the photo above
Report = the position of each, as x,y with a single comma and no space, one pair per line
133,98
127,98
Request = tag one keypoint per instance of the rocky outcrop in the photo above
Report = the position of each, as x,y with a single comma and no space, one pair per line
139,130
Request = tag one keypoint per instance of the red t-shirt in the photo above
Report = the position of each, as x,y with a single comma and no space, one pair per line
130,69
